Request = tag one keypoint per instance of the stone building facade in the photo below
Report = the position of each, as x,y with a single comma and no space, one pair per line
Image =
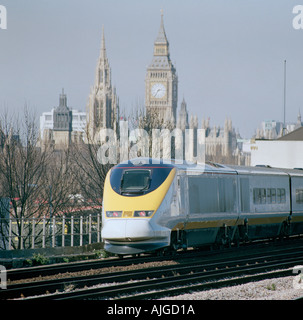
103,103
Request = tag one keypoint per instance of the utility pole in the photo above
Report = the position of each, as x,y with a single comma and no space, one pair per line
284,104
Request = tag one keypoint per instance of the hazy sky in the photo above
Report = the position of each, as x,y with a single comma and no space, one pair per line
228,54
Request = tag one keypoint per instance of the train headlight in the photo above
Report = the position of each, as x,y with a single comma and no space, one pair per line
143,213
113,214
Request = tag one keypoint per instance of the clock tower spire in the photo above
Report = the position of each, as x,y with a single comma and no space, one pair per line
161,81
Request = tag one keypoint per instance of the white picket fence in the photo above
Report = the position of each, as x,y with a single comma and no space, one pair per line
49,232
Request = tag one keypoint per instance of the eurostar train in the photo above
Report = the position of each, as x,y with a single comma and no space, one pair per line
150,207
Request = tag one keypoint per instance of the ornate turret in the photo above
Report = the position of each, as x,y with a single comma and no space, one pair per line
62,115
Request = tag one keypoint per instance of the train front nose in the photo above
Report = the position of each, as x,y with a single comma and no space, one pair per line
127,230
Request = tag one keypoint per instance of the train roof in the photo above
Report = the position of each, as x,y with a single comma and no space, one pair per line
180,165
267,170
209,167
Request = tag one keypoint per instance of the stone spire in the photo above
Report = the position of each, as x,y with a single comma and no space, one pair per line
102,106
161,45
103,71
62,115
161,35
299,121
63,100
183,116
299,117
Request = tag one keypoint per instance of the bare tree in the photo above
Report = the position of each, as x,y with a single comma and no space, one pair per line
150,123
88,171
34,180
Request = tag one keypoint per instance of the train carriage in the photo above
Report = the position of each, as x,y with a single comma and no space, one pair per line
150,206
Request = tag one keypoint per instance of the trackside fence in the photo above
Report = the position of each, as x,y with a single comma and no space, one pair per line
58,231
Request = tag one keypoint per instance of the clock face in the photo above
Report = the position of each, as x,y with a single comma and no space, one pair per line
158,90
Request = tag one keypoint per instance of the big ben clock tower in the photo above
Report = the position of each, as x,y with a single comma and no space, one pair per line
161,82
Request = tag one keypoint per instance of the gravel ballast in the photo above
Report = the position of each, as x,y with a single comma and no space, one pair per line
271,289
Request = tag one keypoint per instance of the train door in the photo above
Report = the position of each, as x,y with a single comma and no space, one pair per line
178,235
183,197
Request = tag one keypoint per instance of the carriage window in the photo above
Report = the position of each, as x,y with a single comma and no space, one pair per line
299,195
263,195
270,195
281,198
259,195
211,194
257,199
273,195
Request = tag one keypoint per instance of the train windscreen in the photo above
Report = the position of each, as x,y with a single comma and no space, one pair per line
134,181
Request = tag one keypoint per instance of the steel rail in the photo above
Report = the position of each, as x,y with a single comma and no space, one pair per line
40,287
213,284
165,280
46,270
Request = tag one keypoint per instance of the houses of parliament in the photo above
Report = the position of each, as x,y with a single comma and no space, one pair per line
161,100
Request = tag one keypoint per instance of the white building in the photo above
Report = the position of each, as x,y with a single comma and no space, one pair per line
78,123
271,129
46,122
285,152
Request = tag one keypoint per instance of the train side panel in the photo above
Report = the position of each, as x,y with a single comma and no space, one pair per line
212,208
296,222
264,204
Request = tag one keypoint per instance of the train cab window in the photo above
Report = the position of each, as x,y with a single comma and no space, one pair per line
299,195
135,180
132,181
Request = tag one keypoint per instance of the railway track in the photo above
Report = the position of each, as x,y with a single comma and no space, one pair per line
162,281
48,270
